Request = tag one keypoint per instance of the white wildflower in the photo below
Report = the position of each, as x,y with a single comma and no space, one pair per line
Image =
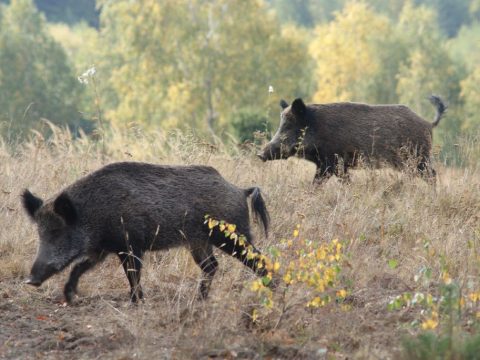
270,89
89,73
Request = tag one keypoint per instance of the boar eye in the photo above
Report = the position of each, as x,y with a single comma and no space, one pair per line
56,232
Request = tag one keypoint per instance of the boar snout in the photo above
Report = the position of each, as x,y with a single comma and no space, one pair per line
40,273
33,282
270,152
261,156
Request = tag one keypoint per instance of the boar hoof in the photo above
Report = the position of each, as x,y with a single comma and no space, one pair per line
68,295
136,295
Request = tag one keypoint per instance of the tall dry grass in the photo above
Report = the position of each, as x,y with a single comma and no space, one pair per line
381,215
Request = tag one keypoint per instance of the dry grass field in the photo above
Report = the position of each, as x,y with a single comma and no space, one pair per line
393,227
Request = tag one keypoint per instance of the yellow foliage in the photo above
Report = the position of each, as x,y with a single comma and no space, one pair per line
470,93
345,52
190,63
447,280
429,324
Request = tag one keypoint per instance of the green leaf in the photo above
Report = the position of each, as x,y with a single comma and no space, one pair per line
392,264
265,280
274,251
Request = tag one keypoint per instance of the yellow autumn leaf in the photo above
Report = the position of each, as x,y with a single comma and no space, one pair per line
321,254
254,315
447,280
276,266
474,296
315,302
429,324
241,241
256,285
287,278
211,223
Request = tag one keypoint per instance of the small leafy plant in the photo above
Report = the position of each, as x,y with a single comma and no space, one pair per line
450,315
296,266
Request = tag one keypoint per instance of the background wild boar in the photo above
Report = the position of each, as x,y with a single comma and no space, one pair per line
134,207
322,133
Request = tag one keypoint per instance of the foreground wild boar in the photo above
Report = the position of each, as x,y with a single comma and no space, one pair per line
129,208
322,133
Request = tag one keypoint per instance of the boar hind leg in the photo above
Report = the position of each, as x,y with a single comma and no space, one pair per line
427,172
203,256
78,270
132,265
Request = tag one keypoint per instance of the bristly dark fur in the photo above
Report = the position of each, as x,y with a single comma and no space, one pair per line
129,208
379,134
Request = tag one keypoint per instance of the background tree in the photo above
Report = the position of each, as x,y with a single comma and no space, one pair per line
470,95
345,52
452,14
428,67
36,80
192,63
68,11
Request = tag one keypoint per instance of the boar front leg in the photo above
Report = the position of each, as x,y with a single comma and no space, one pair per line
325,169
78,270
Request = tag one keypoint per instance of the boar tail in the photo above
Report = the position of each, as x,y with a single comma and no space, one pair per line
440,106
258,207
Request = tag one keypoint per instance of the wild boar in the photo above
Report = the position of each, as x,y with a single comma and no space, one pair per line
128,208
323,133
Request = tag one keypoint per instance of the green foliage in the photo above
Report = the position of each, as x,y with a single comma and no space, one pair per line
36,81
247,121
430,346
448,307
428,68
471,96
452,14
465,47
81,44
306,13
68,11
192,64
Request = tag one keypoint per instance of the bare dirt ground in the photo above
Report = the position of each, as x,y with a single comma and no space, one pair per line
172,324
379,216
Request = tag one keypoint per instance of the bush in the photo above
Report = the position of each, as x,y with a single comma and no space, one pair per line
248,121
429,345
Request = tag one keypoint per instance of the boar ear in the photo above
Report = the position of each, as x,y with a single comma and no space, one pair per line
283,104
64,207
31,203
299,108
